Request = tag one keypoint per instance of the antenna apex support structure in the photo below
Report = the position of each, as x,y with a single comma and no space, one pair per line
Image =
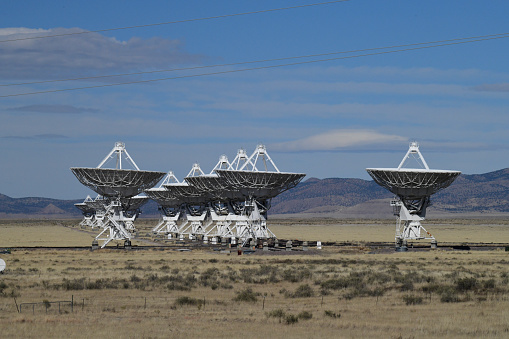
120,204
413,188
230,202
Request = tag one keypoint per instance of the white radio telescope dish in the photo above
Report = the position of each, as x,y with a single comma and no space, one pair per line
2,265
413,188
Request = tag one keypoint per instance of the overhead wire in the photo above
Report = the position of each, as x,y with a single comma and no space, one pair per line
175,22
441,43
500,35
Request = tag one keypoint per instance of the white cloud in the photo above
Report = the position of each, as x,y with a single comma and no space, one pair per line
83,54
16,32
339,139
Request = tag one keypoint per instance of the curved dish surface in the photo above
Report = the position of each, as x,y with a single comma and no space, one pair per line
262,185
188,194
98,205
117,182
217,187
132,204
413,183
163,197
84,207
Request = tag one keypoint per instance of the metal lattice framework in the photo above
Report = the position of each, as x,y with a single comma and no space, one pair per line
117,182
120,204
232,201
413,188
413,183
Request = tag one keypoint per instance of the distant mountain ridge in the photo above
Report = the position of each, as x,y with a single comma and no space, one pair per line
487,192
480,193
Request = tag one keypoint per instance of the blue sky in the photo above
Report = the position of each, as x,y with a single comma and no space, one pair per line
326,119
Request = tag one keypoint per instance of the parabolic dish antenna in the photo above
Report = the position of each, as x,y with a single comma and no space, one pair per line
163,197
84,207
119,187
2,265
413,188
117,182
258,184
412,183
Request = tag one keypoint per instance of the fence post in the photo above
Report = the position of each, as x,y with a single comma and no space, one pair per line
72,303
145,307
17,309
263,305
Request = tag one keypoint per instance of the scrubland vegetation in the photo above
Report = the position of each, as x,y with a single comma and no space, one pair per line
336,292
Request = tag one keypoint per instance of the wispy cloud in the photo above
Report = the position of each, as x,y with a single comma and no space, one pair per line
36,137
502,87
339,140
83,54
60,109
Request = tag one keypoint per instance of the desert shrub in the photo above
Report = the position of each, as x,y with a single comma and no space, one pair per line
466,284
246,295
431,288
74,284
209,278
303,291
188,301
334,284
181,283
305,315
379,277
332,314
407,285
354,279
296,275
449,295
489,284
412,299
46,303
277,313
3,286
291,319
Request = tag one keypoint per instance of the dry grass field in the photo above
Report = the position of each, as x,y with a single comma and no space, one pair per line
345,292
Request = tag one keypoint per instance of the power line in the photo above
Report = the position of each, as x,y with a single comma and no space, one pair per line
176,22
470,39
258,68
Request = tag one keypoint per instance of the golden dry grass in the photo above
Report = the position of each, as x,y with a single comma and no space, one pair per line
114,285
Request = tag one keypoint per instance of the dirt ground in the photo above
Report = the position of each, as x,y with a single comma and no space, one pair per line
339,291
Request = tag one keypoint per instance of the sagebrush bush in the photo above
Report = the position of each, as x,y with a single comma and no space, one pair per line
332,314
303,291
412,299
185,300
246,295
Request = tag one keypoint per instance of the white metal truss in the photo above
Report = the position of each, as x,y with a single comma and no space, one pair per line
231,202
260,154
88,213
195,170
408,221
413,151
117,211
117,226
413,188
169,179
221,164
241,159
118,153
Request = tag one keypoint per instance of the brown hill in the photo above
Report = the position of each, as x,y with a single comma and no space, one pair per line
479,193
333,197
